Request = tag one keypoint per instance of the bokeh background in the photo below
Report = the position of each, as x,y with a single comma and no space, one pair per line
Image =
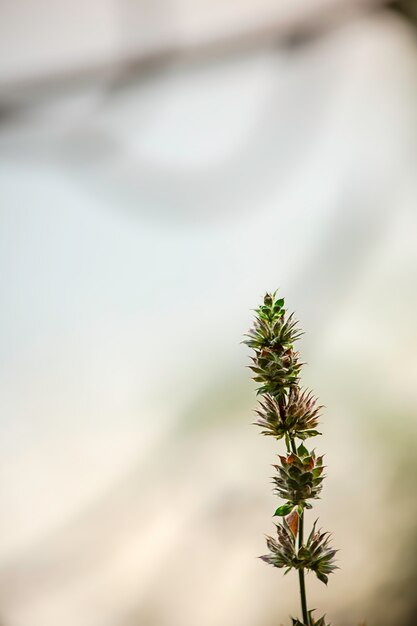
162,164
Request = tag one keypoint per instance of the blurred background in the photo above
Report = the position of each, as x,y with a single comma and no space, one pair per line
163,163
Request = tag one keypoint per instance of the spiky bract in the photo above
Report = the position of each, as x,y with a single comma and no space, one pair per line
282,551
296,414
275,364
299,476
316,555
320,622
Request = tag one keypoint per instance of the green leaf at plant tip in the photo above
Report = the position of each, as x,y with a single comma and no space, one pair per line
302,450
284,510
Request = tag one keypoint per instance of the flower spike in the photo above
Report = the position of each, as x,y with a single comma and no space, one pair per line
289,413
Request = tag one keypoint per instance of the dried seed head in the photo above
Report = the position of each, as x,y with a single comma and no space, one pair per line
317,555
282,550
299,477
296,414
275,364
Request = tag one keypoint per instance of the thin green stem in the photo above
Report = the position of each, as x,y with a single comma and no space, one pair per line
303,595
301,576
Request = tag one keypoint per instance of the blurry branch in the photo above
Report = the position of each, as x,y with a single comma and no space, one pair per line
294,29
407,8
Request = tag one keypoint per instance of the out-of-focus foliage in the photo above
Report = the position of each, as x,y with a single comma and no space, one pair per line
407,8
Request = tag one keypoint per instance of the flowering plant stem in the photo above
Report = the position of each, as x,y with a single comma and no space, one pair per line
301,576
285,411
